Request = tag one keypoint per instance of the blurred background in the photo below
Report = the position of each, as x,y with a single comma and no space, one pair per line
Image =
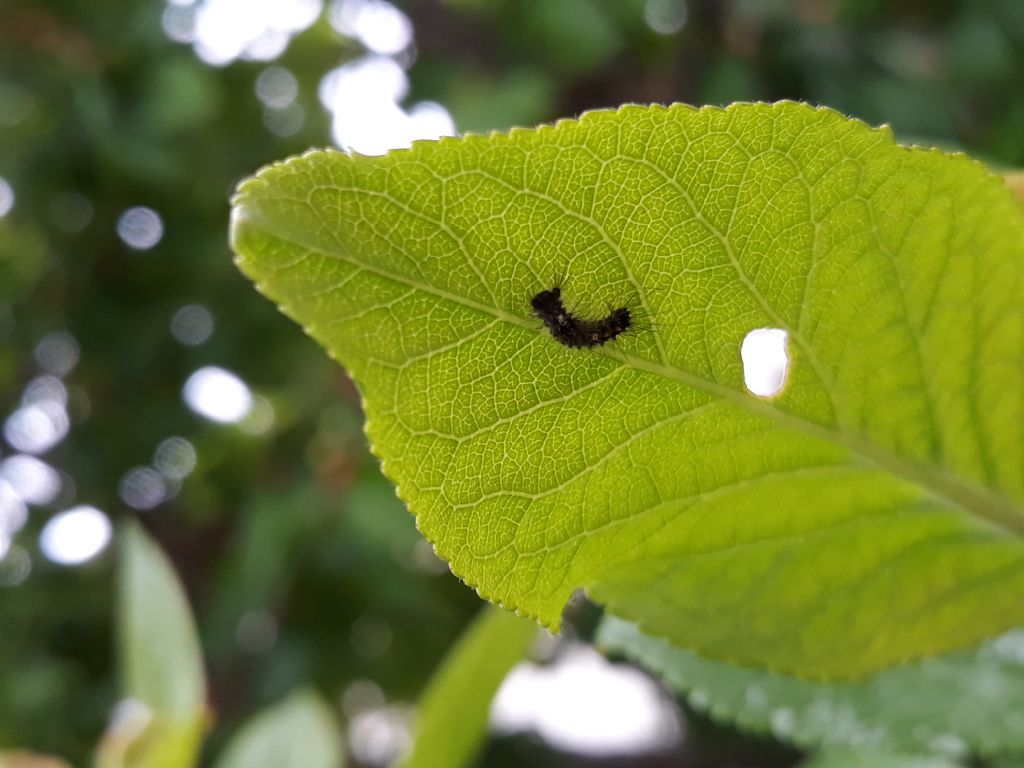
142,377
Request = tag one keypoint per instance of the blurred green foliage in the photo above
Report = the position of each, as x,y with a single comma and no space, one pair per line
300,565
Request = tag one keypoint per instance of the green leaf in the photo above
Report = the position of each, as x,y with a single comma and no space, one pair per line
299,732
967,701
451,721
161,722
860,759
869,513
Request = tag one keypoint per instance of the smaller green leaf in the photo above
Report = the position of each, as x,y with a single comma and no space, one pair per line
452,718
972,700
161,660
299,732
842,758
162,720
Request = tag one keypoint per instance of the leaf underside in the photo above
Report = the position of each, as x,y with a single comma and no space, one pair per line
861,759
964,702
868,514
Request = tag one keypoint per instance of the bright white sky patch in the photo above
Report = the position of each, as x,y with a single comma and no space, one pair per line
582,703
364,97
75,536
224,30
377,24
765,361
430,120
362,80
218,395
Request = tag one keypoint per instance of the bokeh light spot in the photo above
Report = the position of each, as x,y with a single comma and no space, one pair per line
377,24
36,428
361,695
6,197
666,17
276,87
140,228
175,458
378,736
142,488
260,417
225,30
15,565
45,389
35,481
57,353
179,22
75,536
284,122
13,512
192,325
218,395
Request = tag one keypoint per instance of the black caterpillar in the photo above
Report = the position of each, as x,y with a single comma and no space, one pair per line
575,332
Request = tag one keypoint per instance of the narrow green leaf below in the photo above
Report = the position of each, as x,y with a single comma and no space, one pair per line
452,717
163,681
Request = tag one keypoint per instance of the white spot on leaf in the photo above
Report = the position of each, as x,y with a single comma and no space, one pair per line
765,361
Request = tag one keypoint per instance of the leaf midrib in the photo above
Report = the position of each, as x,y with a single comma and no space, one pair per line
996,510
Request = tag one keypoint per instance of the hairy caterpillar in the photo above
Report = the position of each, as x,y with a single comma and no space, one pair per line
573,331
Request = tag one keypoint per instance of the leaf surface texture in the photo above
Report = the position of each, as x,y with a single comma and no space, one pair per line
869,513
